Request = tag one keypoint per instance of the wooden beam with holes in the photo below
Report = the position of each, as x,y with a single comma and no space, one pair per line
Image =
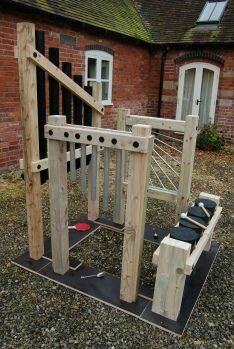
159,123
98,136
38,59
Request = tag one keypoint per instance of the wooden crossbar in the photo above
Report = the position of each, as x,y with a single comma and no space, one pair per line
37,58
98,136
41,165
159,123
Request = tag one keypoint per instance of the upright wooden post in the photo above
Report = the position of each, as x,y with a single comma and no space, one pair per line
170,278
119,212
189,145
93,205
57,157
29,110
138,177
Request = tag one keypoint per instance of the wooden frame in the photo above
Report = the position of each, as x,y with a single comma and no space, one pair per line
174,262
189,129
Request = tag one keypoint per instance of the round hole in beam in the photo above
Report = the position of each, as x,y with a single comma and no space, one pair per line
34,54
101,139
50,132
66,134
135,144
38,167
77,135
114,141
89,137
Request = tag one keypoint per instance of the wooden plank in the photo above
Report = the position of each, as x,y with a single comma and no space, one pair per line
211,197
202,243
112,139
119,213
93,203
28,104
160,194
188,153
58,200
42,164
170,278
37,58
216,199
138,177
157,193
159,123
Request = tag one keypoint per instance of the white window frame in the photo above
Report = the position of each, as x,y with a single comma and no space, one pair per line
99,56
199,66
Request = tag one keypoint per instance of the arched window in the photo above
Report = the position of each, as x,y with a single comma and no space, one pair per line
197,92
99,67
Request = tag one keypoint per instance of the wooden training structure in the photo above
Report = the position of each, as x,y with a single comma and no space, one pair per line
134,154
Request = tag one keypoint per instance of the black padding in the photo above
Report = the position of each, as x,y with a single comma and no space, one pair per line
190,225
198,212
184,234
208,204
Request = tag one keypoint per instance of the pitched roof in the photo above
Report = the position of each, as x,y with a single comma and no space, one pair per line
175,22
117,16
152,21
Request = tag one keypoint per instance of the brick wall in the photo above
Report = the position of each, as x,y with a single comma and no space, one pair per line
133,68
224,114
136,76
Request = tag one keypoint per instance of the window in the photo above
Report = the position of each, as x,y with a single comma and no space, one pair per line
99,67
212,11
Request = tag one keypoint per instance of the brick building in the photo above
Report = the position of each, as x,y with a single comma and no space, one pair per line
155,57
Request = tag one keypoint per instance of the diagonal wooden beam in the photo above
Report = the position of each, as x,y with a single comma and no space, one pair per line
37,58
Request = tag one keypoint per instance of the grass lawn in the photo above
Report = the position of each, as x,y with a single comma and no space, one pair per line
36,313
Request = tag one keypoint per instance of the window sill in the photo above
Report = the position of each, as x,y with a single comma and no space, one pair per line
107,104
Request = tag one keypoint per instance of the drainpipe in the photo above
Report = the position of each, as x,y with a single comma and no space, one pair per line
163,60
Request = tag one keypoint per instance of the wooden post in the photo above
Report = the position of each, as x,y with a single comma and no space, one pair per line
28,104
170,278
93,205
119,212
216,199
138,177
189,145
57,156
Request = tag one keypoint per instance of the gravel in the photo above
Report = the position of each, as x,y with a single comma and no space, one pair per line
36,313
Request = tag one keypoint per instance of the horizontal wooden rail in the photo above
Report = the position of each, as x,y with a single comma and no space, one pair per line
157,193
98,136
193,258
160,194
159,123
42,164
37,58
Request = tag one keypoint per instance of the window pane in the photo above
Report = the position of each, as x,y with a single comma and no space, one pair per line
205,98
92,68
205,15
216,14
105,69
90,83
105,91
187,104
